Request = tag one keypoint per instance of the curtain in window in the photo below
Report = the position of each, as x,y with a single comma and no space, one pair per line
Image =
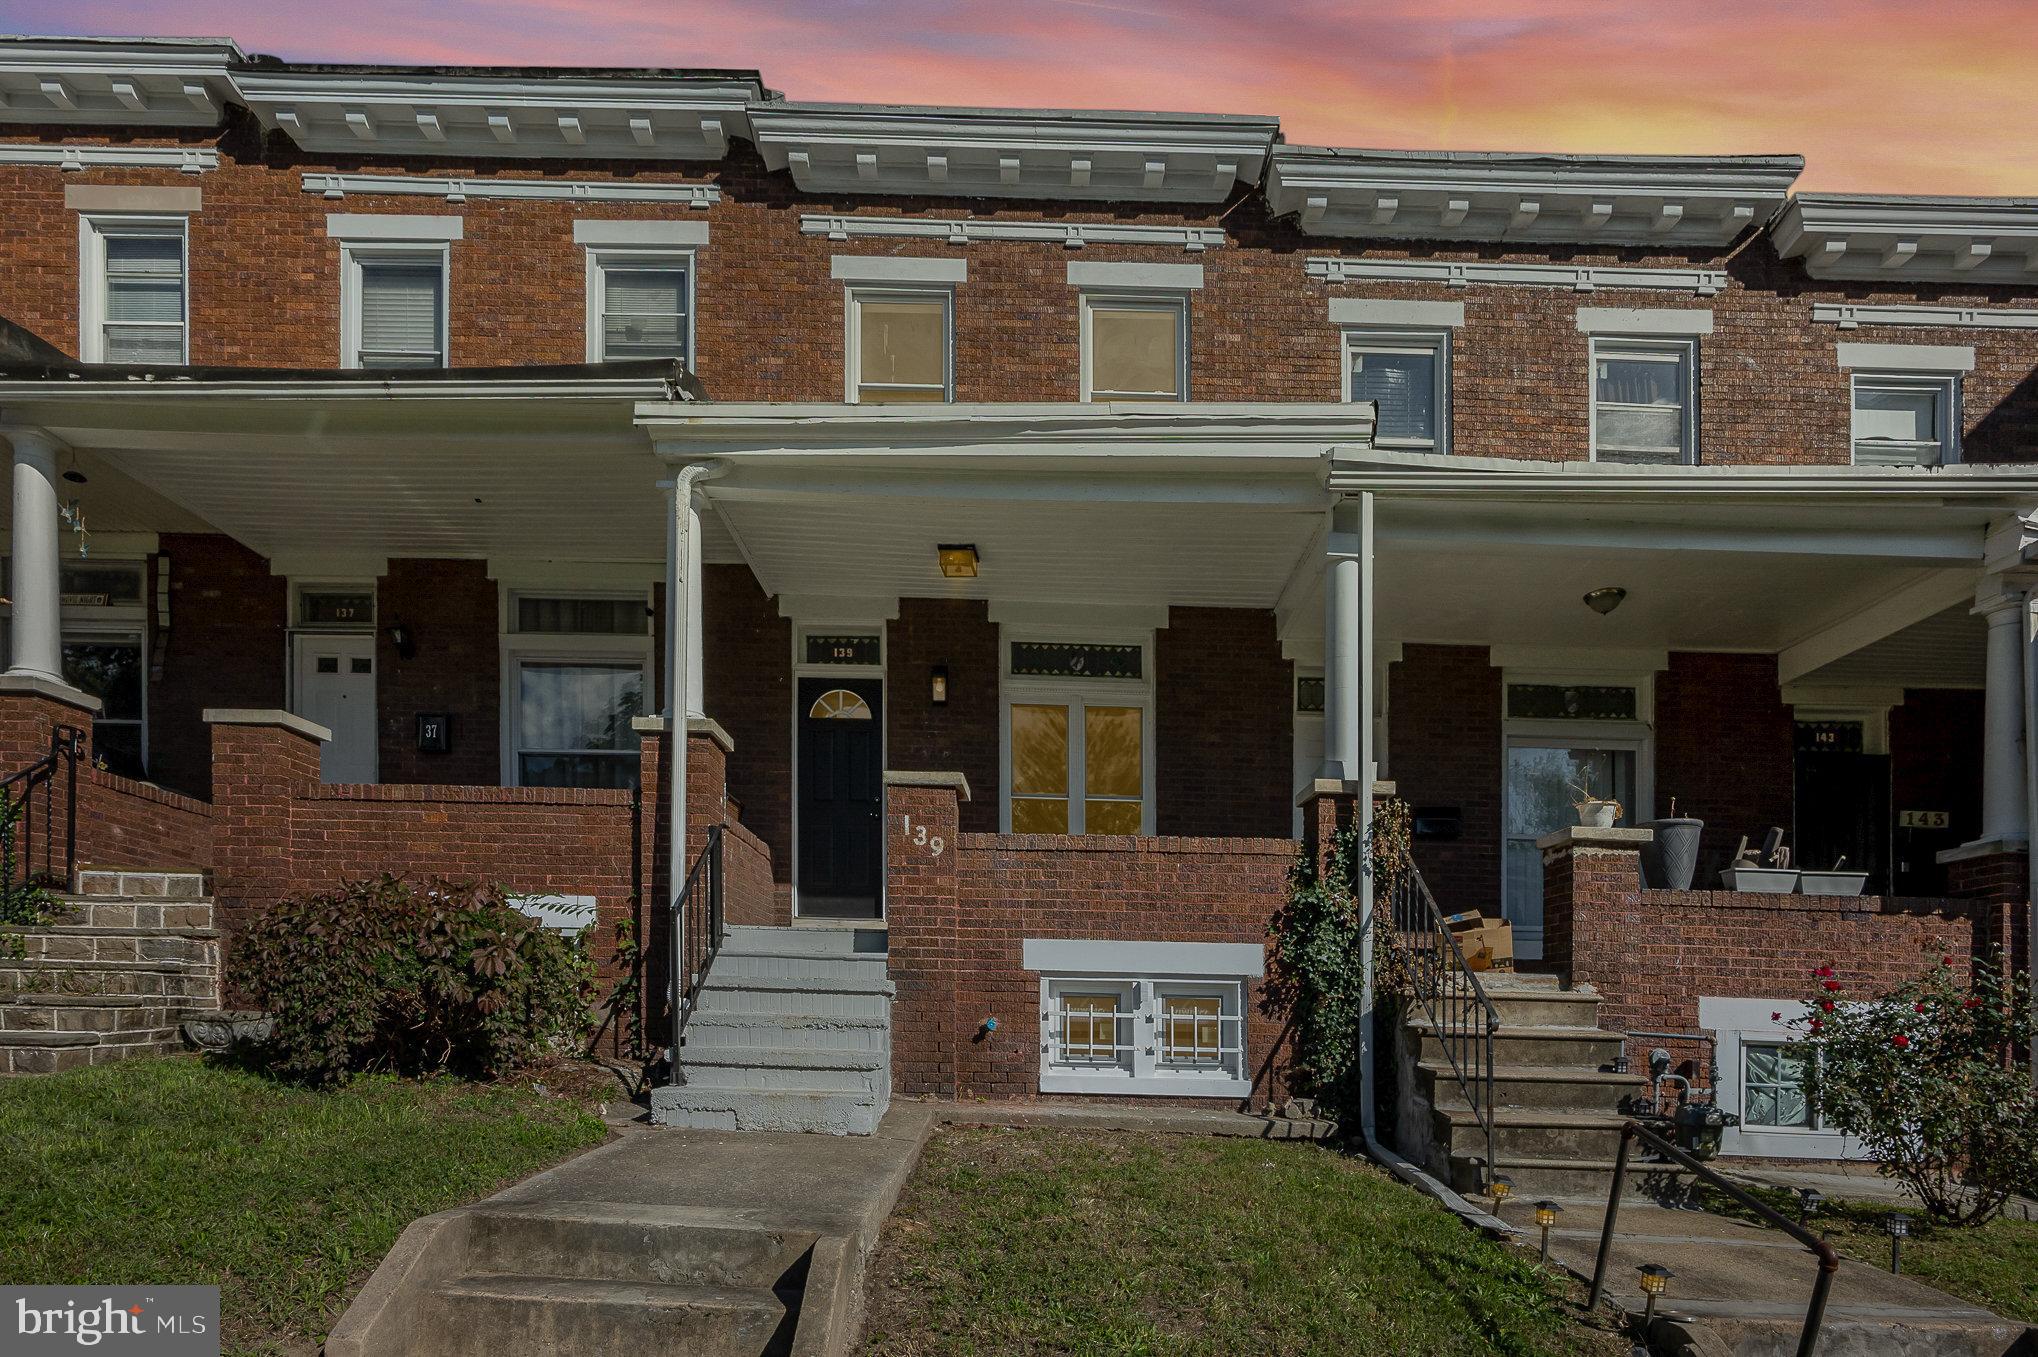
573,724
401,310
1403,386
1641,409
1135,352
144,299
582,616
644,313
1897,426
902,351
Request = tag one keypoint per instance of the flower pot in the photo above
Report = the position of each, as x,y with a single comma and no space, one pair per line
1832,883
1671,861
1597,814
1761,880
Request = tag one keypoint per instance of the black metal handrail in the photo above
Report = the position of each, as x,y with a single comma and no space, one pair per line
698,928
1448,992
1829,1261
26,830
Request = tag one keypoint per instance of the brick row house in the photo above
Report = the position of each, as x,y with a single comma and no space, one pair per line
1036,522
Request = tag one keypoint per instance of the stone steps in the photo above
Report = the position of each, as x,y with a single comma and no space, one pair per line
1568,1047
1552,1087
1540,1133
488,1314
104,1013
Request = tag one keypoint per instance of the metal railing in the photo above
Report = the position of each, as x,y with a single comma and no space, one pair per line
698,928
1829,1261
1448,992
32,850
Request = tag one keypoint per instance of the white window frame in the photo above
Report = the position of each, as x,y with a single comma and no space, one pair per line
601,258
518,648
115,623
1684,350
93,230
1945,385
1093,300
1737,1023
352,255
1437,343
1075,693
854,295
1139,1070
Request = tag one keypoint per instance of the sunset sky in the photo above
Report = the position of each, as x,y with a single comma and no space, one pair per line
1938,96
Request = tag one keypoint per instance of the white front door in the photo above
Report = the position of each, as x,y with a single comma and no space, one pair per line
335,686
1543,780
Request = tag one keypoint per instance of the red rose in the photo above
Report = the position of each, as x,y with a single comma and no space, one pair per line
1919,1007
1970,1002
1823,972
1833,985
1776,1017
1945,961
1817,1025
1900,1041
1826,1004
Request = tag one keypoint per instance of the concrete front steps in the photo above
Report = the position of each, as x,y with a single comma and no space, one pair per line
793,1033
126,960
1557,1101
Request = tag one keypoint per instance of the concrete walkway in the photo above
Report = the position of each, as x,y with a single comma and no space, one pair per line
1742,1289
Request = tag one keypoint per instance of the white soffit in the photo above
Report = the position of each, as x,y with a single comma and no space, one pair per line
1849,317
968,231
1464,273
494,115
1673,201
1911,239
187,159
459,190
1055,154
132,82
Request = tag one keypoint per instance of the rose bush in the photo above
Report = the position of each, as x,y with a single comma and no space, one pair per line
1933,1079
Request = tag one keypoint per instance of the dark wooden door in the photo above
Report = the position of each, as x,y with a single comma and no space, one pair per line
841,791
1843,808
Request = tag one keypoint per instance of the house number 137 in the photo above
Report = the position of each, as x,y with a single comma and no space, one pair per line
920,838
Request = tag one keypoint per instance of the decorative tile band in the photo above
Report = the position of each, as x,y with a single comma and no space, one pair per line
1849,317
964,231
1578,278
187,159
460,190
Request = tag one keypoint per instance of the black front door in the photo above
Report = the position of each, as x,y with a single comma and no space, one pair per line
841,789
1843,812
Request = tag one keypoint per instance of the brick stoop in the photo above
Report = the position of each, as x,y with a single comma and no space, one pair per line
127,959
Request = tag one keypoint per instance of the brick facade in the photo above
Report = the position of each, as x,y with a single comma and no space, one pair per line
963,735
1224,730
450,609
1444,750
226,647
1725,750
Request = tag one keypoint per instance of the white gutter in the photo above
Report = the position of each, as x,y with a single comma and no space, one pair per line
198,389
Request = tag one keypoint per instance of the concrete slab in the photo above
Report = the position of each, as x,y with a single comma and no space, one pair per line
1842,1180
1182,1120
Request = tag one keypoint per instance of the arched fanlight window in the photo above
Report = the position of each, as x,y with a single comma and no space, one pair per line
839,704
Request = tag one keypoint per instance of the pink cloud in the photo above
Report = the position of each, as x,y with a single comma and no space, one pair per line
1877,94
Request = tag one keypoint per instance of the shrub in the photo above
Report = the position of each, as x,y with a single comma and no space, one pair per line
398,975
1928,1078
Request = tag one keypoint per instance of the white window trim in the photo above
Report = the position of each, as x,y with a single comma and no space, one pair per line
1076,692
352,252
1105,276
1736,1023
1874,722
869,624
1946,385
1094,298
1142,1074
853,298
93,229
1360,339
1687,350
603,257
516,648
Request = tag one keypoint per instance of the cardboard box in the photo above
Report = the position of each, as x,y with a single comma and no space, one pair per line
1488,944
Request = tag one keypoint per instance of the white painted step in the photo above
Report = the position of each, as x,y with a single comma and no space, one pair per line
764,1067
816,941
800,965
714,1028
797,1109
850,997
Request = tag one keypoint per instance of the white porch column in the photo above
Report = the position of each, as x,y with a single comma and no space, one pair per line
1348,643
38,621
2004,602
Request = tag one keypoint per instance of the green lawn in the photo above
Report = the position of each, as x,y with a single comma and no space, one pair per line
179,1171
1044,1241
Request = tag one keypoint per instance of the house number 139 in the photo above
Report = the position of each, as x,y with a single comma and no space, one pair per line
920,838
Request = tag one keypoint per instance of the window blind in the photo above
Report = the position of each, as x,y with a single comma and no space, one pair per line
402,309
1403,387
144,299
644,313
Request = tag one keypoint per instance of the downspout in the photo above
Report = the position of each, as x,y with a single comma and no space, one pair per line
679,588
2030,806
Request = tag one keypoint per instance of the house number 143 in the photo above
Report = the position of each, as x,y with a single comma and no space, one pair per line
920,838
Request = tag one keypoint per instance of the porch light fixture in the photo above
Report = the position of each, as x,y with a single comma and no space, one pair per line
1546,1216
937,684
958,560
403,638
1655,1281
1605,599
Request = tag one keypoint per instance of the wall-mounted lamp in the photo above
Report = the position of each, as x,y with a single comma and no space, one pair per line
1605,600
958,560
403,638
937,685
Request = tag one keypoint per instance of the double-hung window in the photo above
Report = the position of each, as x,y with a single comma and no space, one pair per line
394,307
643,306
105,619
901,346
1644,407
1134,347
136,303
1406,374
1906,420
578,673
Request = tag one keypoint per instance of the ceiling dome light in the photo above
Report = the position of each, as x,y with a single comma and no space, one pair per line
1604,600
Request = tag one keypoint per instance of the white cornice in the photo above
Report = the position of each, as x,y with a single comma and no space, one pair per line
502,116
140,82
679,430
1013,153
458,190
965,231
1848,316
1577,277
1670,201
189,159
1905,239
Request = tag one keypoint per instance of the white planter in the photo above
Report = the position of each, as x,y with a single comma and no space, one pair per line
1761,880
1597,814
1832,883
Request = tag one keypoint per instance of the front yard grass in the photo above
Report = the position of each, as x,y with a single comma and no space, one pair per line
1049,1241
175,1170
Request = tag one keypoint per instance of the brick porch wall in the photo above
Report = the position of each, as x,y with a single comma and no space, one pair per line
1725,748
1444,749
1224,733
749,689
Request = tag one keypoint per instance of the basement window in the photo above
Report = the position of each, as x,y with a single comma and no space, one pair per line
1181,1037
1774,1092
